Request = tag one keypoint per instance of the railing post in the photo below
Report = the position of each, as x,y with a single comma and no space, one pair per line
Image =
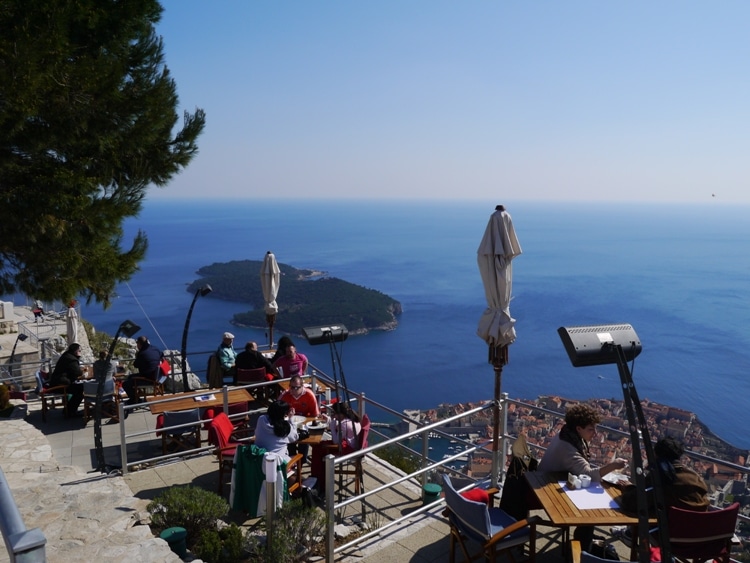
123,439
425,455
331,516
269,462
504,431
23,545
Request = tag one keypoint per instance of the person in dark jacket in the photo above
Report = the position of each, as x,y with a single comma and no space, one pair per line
147,361
251,358
68,371
682,487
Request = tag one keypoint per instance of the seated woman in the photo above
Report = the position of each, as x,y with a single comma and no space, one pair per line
274,432
682,487
344,427
569,452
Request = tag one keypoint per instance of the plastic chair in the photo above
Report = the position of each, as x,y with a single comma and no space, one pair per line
493,528
185,438
702,536
51,395
110,395
221,435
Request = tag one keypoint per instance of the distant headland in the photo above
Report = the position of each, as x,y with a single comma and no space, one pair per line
306,298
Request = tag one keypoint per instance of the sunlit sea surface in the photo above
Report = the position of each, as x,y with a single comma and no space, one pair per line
678,274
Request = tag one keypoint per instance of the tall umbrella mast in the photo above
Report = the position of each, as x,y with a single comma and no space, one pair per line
497,249
270,280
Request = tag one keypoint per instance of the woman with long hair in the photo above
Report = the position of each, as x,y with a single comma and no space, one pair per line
274,432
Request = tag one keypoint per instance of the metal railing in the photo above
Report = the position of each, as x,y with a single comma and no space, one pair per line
27,546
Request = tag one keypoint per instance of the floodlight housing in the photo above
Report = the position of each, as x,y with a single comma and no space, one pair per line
594,345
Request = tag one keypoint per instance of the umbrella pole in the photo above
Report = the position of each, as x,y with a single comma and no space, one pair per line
270,319
498,358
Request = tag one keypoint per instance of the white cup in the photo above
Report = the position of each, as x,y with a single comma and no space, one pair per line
585,481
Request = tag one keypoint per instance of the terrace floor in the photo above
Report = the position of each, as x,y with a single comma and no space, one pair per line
421,539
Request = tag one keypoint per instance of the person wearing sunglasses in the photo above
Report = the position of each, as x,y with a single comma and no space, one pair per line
303,402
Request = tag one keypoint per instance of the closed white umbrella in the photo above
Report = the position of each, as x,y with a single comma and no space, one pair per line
71,321
496,251
270,280
496,326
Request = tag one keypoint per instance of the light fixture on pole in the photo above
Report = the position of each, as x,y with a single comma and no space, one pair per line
596,345
127,329
202,292
21,336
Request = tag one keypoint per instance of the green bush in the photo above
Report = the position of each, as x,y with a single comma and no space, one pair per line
296,530
398,457
187,507
221,546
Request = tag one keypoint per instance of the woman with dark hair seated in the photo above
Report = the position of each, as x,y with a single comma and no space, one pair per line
682,487
281,346
274,432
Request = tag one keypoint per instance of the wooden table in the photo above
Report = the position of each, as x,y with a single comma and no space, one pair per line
186,401
285,383
564,513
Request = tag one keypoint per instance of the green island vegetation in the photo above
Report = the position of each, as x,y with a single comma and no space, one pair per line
306,298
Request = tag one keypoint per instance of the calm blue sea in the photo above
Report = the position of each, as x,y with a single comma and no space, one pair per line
678,274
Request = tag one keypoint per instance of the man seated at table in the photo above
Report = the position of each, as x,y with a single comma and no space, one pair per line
68,371
292,363
569,452
227,356
304,403
147,361
251,358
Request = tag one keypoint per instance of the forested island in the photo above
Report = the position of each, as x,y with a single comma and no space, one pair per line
306,298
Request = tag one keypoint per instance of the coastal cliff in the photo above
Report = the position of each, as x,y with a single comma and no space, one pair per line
306,298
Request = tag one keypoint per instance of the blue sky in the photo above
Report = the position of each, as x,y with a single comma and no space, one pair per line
535,100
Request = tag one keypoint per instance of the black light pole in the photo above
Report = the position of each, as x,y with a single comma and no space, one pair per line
21,336
203,291
128,329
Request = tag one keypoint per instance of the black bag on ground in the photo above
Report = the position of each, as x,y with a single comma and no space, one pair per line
517,497
603,550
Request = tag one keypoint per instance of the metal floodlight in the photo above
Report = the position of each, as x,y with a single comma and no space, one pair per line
21,336
128,329
325,334
201,292
596,345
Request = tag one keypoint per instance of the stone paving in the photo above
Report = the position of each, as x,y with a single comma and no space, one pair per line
84,517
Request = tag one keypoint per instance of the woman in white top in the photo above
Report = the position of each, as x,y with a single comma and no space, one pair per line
274,432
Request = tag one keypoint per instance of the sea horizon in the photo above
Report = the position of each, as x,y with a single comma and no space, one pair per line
677,273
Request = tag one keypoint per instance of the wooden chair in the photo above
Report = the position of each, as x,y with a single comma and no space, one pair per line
146,387
355,468
184,438
492,528
248,480
249,376
702,536
51,397
110,400
222,435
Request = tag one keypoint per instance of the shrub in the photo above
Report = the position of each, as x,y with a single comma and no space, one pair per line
296,530
187,507
221,546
